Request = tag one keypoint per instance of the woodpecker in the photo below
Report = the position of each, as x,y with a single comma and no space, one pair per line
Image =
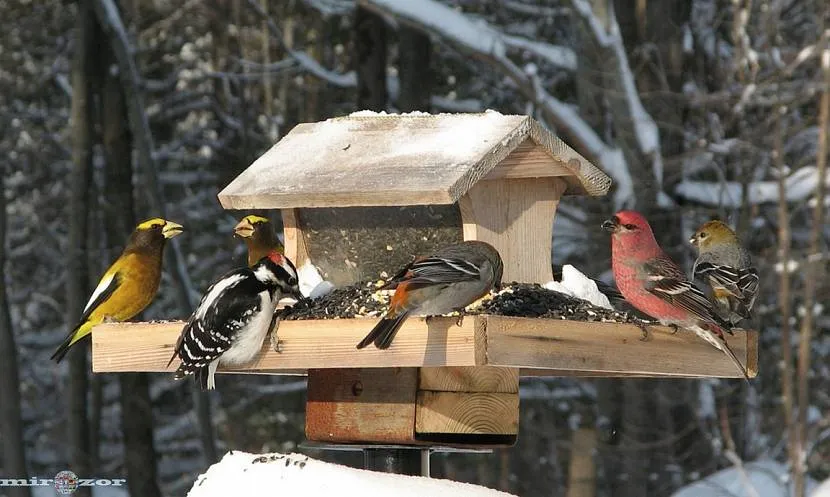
233,318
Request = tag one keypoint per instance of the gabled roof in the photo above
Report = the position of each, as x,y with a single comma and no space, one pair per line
369,159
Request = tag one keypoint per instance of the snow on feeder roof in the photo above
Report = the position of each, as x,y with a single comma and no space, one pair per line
371,159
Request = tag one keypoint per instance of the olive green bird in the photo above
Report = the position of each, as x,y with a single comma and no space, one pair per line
130,283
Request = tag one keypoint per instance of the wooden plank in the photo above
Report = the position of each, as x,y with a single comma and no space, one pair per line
610,348
295,247
538,347
359,160
325,343
469,379
467,413
515,216
361,405
528,160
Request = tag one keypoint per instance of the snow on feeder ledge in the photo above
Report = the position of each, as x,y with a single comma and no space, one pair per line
359,196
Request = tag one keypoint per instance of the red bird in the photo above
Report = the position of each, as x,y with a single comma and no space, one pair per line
654,284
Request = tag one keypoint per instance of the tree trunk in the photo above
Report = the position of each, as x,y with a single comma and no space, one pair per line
77,281
136,406
11,425
414,51
130,77
370,60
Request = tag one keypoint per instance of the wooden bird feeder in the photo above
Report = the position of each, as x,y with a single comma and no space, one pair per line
361,195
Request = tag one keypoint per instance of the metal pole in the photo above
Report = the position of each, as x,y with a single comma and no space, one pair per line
413,461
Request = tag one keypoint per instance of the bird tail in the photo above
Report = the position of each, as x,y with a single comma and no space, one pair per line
717,339
79,332
200,374
384,332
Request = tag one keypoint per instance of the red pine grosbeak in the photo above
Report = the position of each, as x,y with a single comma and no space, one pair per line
448,280
726,268
655,285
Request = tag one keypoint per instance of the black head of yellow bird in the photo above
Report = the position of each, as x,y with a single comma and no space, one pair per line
130,283
259,236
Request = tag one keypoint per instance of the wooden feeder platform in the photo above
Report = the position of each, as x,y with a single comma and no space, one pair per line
363,194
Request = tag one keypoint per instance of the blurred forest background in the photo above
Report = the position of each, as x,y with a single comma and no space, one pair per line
116,111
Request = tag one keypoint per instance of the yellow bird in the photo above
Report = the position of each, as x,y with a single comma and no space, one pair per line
130,283
259,236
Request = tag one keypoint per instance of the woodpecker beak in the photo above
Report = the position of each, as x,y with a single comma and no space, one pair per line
171,229
244,229
299,296
611,224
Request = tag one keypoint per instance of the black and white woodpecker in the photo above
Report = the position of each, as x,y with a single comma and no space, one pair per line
233,318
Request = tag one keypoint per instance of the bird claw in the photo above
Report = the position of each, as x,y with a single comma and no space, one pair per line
644,328
276,343
459,320
674,328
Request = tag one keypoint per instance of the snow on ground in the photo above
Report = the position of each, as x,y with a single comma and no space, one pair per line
289,475
822,490
576,284
762,478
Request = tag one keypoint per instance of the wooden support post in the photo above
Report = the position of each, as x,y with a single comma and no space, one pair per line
469,406
361,405
515,215
295,248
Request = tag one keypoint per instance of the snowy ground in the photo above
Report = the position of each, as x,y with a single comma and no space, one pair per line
287,475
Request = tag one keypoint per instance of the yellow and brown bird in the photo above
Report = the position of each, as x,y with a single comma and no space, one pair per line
725,266
259,236
130,283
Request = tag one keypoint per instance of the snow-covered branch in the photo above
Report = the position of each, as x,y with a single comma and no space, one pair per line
799,186
484,42
557,55
610,37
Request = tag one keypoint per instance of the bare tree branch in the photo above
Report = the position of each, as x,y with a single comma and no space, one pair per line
813,273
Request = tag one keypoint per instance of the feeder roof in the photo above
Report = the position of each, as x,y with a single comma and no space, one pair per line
370,159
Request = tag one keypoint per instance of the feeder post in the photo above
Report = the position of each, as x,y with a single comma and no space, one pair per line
403,461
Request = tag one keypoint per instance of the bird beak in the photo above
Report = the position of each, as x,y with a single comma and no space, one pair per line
299,296
611,224
171,229
693,240
244,229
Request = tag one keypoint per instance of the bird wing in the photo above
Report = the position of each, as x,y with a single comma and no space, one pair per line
441,270
665,280
748,283
227,306
718,276
106,287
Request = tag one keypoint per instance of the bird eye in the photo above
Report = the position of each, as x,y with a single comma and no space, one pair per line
292,281
629,226
703,235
